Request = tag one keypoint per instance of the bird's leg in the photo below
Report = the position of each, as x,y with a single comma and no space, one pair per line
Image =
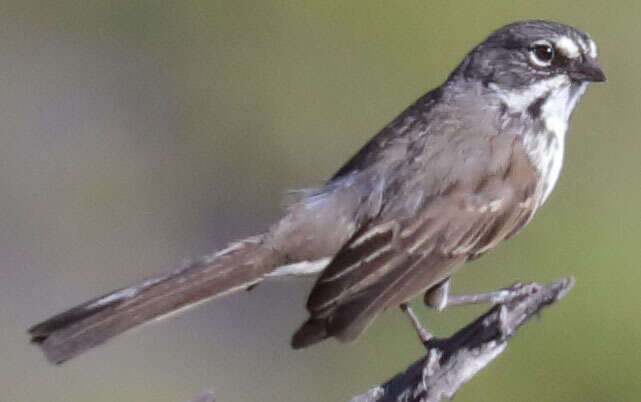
423,334
439,298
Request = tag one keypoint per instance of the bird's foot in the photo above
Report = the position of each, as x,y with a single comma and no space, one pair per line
423,334
439,298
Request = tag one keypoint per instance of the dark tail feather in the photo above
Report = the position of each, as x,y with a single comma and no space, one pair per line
81,328
312,331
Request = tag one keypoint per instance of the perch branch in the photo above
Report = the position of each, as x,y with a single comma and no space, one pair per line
450,362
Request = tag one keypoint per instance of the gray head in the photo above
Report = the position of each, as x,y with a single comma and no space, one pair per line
523,53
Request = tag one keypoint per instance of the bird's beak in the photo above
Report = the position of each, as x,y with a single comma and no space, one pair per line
587,71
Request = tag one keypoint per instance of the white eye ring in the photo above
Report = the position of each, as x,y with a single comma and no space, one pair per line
541,53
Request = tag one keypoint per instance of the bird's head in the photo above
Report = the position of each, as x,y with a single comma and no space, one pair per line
522,54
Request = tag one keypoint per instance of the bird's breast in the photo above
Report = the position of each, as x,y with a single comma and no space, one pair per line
545,142
545,150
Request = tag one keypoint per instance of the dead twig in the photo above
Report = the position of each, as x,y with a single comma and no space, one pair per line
450,362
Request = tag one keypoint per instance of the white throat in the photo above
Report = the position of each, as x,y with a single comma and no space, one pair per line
547,147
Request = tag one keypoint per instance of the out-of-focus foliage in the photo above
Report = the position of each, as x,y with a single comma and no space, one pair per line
138,133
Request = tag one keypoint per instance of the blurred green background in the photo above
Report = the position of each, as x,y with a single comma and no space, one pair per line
135,134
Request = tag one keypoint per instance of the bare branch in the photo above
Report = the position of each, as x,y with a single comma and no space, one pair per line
451,362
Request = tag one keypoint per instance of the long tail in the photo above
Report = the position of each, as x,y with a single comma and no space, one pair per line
81,328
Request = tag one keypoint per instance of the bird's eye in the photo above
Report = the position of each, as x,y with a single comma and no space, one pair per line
541,53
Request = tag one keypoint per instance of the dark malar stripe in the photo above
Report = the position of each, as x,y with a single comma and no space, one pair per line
534,110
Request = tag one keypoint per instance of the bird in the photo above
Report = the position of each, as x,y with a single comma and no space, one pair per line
463,168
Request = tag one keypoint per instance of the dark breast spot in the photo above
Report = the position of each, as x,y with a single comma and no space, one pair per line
503,109
534,110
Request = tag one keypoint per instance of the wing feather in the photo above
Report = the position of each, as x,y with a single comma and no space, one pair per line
392,259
